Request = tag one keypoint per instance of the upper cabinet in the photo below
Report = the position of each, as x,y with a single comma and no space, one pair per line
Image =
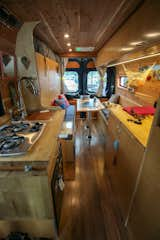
8,66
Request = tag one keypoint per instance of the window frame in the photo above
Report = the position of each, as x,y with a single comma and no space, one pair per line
87,72
77,71
121,76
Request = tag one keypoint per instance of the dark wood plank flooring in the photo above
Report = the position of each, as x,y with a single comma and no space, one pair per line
89,208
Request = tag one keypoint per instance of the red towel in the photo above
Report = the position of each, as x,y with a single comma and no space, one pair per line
147,110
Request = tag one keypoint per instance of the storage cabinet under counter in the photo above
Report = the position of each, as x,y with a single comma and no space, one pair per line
125,160
124,168
67,140
28,202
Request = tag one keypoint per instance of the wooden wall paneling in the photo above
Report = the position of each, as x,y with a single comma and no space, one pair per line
42,77
126,100
78,54
72,64
144,95
54,79
7,39
49,79
91,64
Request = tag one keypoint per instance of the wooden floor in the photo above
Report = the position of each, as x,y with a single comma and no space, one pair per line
89,209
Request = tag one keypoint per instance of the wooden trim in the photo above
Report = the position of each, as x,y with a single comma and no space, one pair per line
79,54
123,88
21,168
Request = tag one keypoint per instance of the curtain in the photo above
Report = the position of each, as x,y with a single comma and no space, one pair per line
101,71
63,65
111,80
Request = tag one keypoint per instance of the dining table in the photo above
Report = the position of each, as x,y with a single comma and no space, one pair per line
89,105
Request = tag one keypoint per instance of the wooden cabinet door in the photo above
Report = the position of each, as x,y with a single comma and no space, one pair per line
144,220
113,129
113,126
125,169
48,79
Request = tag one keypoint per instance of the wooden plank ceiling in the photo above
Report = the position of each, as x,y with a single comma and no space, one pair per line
142,27
90,23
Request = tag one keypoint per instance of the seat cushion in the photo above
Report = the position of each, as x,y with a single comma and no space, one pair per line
70,113
61,103
114,98
62,96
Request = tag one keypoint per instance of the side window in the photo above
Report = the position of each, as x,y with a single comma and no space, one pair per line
93,80
70,81
123,80
104,84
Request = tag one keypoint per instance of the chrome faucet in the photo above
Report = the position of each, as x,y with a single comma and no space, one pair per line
29,82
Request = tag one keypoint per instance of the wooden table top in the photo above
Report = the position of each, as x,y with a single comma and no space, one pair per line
141,132
89,105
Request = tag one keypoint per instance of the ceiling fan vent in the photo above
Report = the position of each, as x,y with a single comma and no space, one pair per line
8,19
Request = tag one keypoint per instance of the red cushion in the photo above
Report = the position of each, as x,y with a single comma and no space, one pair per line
53,103
62,96
147,110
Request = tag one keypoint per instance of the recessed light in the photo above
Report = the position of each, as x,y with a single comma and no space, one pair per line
66,35
136,43
68,44
152,35
127,49
70,50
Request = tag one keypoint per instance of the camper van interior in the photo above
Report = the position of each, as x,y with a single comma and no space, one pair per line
80,119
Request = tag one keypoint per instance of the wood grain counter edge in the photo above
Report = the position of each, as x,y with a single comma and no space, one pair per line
42,155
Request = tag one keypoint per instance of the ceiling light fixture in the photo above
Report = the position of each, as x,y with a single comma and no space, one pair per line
84,49
136,43
127,49
66,35
152,35
70,50
68,44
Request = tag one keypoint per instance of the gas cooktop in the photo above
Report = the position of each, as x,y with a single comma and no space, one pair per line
18,138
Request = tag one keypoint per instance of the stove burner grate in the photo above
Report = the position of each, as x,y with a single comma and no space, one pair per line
18,138
10,142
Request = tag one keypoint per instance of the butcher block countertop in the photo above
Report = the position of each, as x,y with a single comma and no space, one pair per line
44,151
140,132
